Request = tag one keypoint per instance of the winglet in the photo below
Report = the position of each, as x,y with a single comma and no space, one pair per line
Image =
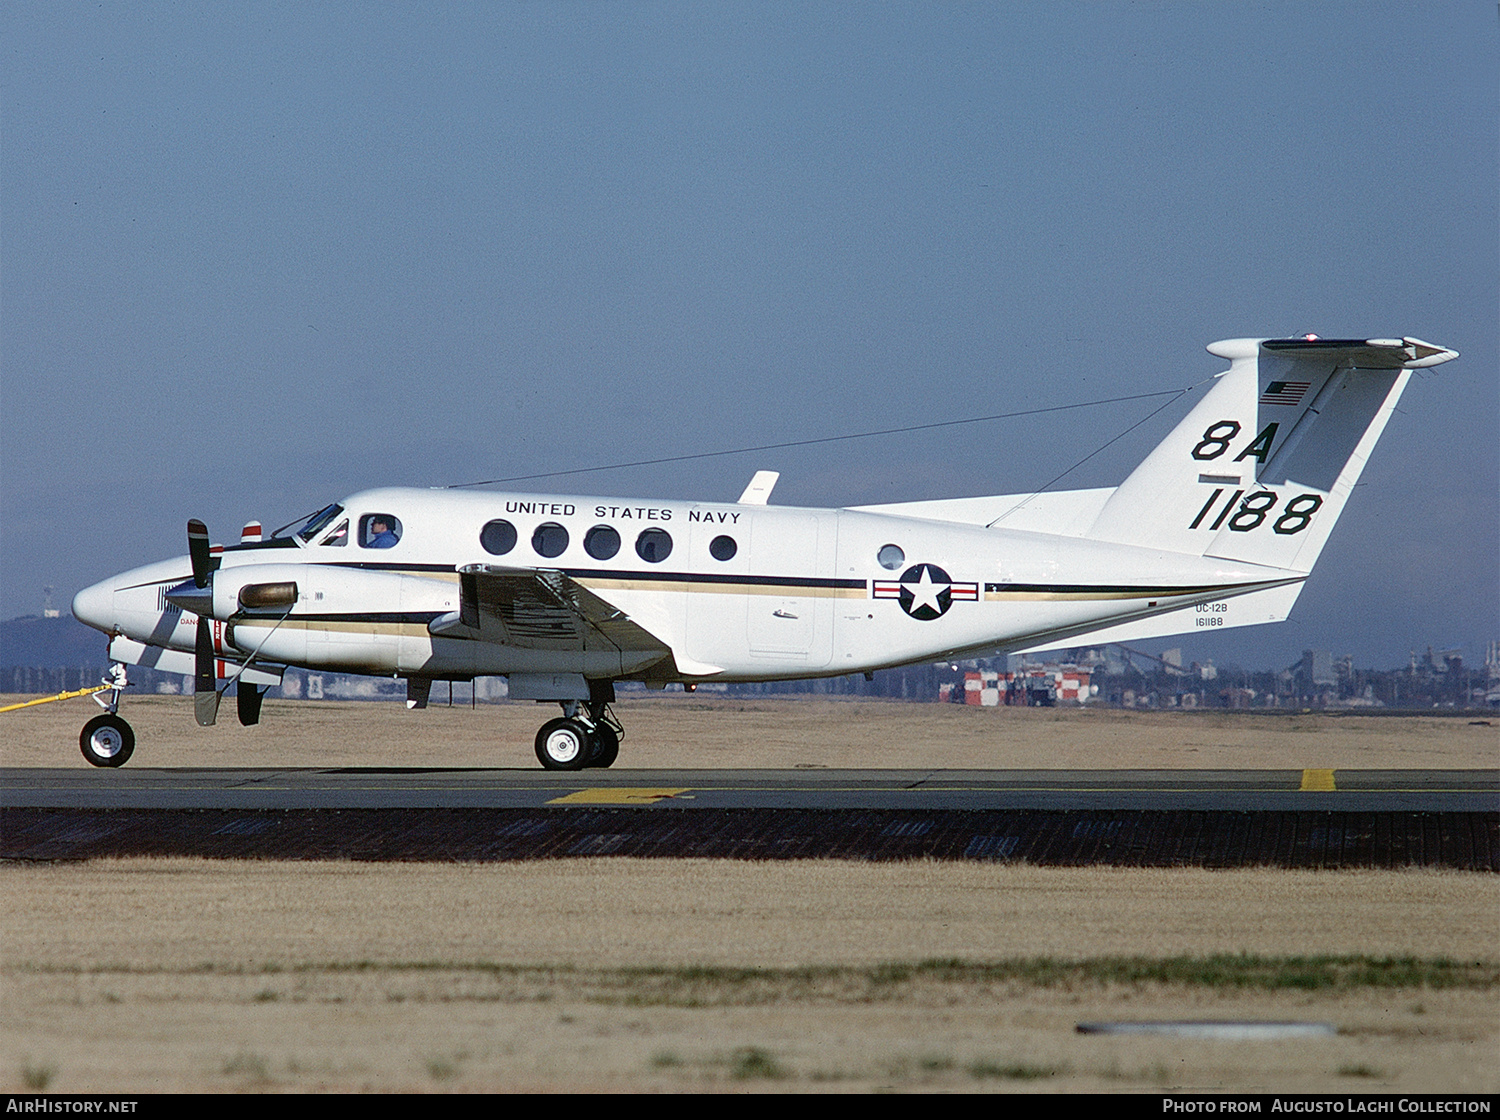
760,488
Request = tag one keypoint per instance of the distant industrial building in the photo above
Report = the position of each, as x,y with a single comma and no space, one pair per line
41,655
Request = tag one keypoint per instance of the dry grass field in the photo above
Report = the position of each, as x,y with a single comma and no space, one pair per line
706,731
637,975
151,975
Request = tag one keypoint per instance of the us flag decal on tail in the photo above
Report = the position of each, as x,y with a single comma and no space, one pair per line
1284,392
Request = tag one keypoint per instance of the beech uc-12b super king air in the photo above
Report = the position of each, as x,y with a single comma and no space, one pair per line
1219,526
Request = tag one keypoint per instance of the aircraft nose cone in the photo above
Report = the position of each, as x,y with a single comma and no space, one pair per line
95,606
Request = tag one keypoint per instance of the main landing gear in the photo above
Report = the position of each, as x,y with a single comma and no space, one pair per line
586,735
107,740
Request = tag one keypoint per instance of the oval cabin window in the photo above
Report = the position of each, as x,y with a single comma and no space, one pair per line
550,539
601,542
653,545
498,537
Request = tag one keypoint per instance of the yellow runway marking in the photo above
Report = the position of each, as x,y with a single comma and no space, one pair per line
617,796
1318,780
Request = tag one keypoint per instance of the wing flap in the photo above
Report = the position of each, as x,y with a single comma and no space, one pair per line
540,608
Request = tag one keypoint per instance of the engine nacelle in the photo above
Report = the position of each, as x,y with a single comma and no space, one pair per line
320,615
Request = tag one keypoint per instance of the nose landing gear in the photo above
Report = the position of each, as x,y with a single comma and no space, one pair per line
107,740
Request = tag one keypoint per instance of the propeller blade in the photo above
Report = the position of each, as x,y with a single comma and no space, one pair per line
248,698
198,552
205,693
206,708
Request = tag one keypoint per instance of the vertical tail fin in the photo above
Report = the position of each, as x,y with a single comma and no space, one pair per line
1259,471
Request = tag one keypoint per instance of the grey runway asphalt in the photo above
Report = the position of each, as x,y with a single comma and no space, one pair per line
1343,791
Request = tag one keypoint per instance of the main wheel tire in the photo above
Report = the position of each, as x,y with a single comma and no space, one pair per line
606,746
107,740
563,744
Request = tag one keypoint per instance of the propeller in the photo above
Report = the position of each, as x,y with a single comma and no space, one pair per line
205,686
197,596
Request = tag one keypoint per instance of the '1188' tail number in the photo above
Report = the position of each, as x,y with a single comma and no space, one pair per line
1254,510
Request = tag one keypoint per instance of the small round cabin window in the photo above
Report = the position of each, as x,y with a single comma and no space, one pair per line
722,548
550,539
601,542
653,545
891,557
498,537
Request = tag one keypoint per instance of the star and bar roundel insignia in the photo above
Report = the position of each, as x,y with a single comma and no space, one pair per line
926,591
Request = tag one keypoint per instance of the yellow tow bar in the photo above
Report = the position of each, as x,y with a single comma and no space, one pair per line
59,696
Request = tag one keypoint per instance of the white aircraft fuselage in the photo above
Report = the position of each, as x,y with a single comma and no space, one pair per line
804,593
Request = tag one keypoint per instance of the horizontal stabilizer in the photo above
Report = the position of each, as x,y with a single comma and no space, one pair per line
1254,609
1366,353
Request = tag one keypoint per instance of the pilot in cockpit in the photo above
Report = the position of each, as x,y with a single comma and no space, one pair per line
381,535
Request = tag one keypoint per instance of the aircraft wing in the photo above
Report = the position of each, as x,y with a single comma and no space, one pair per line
544,609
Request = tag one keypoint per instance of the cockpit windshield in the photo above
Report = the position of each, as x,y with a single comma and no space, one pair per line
315,524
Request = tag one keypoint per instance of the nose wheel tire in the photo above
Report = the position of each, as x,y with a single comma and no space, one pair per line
107,740
563,744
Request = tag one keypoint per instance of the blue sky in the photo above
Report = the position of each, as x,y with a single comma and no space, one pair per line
254,257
